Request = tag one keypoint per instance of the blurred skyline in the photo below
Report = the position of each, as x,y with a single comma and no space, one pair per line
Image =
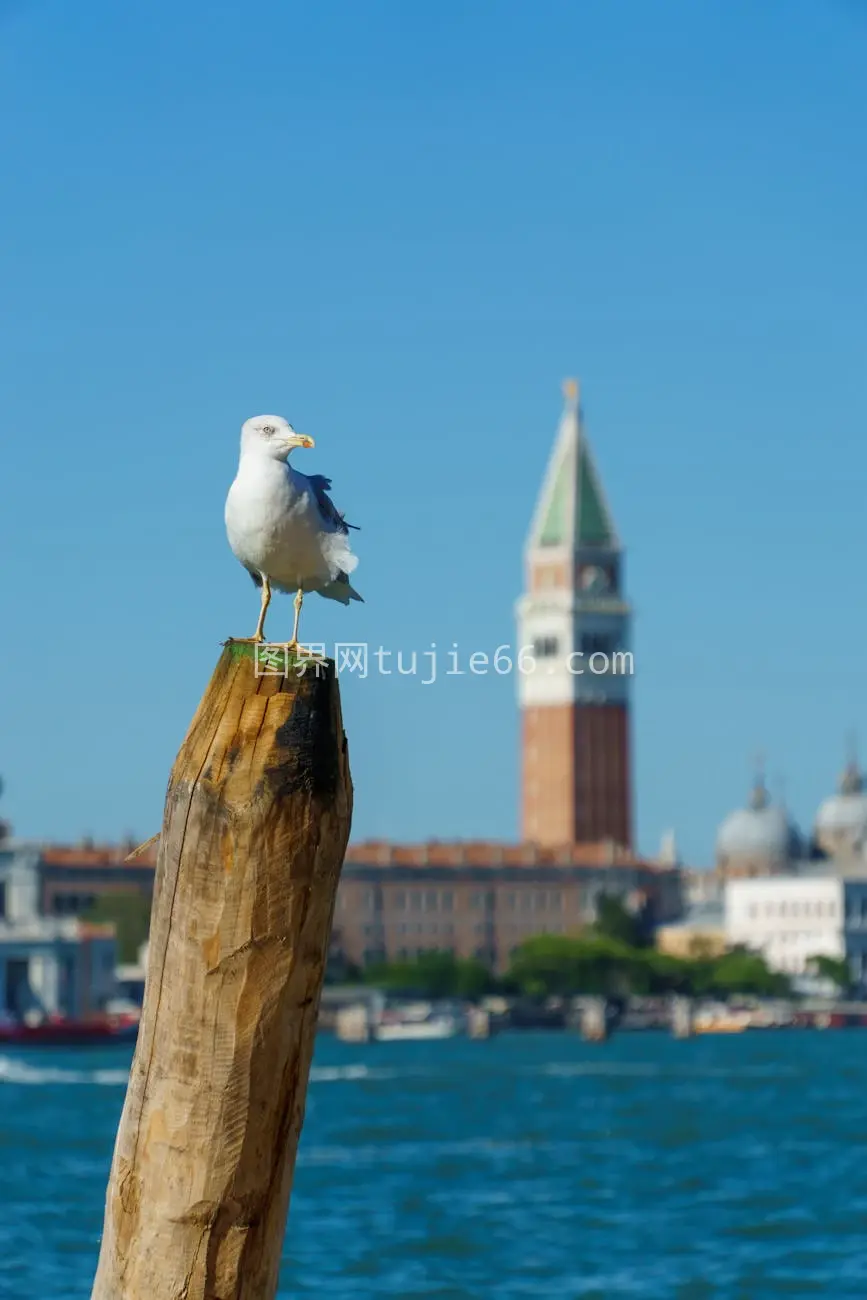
401,227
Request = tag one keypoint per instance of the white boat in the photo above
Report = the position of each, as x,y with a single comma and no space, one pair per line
417,1020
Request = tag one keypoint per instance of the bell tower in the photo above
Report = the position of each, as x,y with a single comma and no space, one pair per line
574,667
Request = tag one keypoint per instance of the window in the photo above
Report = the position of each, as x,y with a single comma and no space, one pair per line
477,900
415,900
431,900
446,900
400,901
545,647
596,643
555,900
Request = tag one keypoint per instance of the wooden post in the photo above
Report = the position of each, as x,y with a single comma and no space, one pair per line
255,829
594,1020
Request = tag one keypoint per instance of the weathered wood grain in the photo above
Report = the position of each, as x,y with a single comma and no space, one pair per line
255,828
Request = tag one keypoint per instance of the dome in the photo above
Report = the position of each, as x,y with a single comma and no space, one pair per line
761,830
842,819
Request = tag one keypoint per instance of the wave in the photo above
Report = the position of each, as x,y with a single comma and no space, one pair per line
20,1072
340,1073
649,1070
14,1070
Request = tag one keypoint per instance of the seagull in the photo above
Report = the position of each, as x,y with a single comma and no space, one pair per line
283,526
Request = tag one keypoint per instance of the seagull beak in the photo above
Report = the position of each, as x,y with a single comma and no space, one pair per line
302,440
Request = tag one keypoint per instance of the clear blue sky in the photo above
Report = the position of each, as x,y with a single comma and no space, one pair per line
400,225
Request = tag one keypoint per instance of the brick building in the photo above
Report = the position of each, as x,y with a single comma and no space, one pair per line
482,900
71,876
472,899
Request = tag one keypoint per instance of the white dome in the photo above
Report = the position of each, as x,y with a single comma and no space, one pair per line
761,830
845,813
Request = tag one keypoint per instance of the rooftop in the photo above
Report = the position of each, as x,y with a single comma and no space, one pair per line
457,853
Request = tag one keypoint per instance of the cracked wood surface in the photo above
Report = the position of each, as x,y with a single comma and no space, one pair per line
254,832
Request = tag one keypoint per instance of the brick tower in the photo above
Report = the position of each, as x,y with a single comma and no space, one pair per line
575,728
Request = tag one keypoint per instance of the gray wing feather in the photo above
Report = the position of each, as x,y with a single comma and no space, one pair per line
320,486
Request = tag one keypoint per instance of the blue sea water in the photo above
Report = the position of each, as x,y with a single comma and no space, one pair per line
532,1165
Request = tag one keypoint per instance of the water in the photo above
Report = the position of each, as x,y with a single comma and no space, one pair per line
528,1166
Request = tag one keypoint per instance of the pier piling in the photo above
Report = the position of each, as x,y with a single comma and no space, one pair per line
255,828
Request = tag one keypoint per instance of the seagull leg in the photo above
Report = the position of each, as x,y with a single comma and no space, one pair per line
293,645
266,601
298,601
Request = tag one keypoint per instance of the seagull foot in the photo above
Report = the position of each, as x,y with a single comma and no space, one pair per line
302,652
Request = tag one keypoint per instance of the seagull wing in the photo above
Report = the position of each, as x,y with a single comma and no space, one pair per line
320,486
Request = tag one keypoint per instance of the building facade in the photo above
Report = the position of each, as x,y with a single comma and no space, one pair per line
482,900
49,966
395,901
790,919
574,635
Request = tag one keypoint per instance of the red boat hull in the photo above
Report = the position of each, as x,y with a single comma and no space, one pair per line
70,1033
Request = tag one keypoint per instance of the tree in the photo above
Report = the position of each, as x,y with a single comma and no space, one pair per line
432,975
615,921
835,969
130,913
740,971
550,965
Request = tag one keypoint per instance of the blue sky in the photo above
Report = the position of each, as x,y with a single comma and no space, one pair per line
400,226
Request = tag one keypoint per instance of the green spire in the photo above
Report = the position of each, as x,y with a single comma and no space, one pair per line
572,509
594,524
555,525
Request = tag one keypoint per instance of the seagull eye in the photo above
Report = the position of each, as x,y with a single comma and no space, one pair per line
268,428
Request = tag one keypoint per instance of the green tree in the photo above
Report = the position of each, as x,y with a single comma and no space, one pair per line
432,975
614,920
740,971
558,965
130,913
592,963
835,969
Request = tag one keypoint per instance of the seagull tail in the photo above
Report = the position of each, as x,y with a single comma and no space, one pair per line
341,590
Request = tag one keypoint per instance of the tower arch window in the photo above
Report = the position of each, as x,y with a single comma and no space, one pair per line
545,647
598,643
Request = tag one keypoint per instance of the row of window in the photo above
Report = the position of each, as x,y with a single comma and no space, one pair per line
71,904
446,927
442,900
410,954
793,907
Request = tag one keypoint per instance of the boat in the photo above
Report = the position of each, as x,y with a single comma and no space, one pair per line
56,1031
721,1021
416,1021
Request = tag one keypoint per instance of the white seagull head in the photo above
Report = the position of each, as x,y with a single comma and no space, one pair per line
272,436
